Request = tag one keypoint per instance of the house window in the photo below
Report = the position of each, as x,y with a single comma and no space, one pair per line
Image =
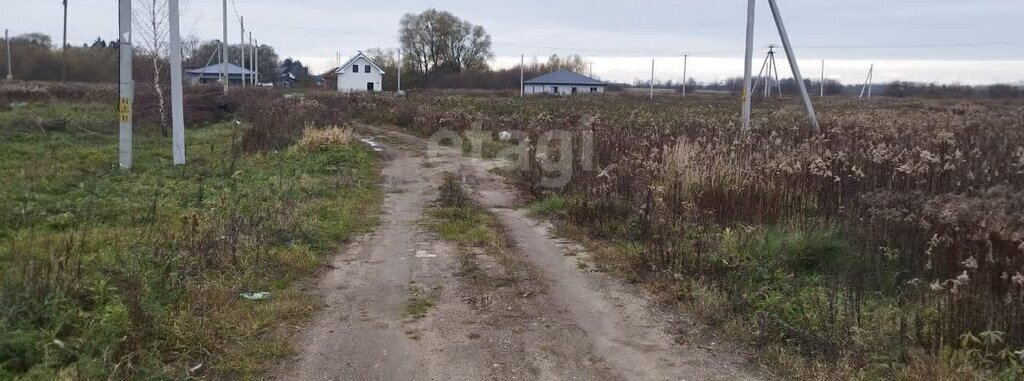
367,67
355,68
593,89
554,89
574,90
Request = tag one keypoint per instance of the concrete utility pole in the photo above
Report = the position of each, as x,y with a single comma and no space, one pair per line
867,82
10,73
522,75
64,47
241,47
256,62
748,64
177,103
822,79
252,60
793,64
684,74
652,78
224,48
125,83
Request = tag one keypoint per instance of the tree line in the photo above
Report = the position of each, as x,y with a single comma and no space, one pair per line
37,59
898,89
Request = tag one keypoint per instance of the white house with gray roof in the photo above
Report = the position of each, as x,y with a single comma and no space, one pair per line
360,74
211,74
563,82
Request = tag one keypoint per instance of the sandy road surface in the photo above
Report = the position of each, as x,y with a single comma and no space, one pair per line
530,314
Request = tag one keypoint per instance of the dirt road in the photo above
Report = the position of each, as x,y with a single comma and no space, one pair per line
400,305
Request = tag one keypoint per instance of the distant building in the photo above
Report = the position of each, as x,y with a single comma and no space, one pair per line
329,79
563,82
211,74
359,74
285,78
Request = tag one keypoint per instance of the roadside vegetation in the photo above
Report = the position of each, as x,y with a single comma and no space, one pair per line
112,274
886,246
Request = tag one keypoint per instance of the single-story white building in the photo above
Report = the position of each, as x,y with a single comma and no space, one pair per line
563,82
360,74
211,74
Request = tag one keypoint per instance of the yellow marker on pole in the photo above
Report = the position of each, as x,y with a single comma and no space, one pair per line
124,110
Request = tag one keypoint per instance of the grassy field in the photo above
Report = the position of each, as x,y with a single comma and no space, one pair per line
137,274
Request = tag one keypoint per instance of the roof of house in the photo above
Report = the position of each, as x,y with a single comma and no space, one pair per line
231,69
360,54
563,77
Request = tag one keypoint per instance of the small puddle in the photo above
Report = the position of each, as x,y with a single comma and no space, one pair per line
376,147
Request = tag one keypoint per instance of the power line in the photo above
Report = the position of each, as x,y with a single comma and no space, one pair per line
597,50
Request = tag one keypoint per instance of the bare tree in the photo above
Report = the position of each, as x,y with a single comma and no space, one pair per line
151,40
434,40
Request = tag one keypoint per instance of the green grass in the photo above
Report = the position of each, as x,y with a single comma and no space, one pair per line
136,274
419,302
81,117
549,206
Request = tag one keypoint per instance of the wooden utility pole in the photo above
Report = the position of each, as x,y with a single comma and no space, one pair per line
64,48
256,62
177,102
125,84
399,70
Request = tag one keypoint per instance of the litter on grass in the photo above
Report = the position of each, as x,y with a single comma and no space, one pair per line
255,295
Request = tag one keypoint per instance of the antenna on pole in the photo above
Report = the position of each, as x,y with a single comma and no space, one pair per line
177,103
224,48
126,86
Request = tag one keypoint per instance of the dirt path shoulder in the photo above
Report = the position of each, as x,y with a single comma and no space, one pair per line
401,304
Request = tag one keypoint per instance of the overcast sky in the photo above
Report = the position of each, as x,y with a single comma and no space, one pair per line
967,41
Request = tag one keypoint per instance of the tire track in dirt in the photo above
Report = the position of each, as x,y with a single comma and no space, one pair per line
525,313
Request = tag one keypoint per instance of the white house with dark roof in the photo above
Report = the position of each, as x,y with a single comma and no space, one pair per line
563,82
360,74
